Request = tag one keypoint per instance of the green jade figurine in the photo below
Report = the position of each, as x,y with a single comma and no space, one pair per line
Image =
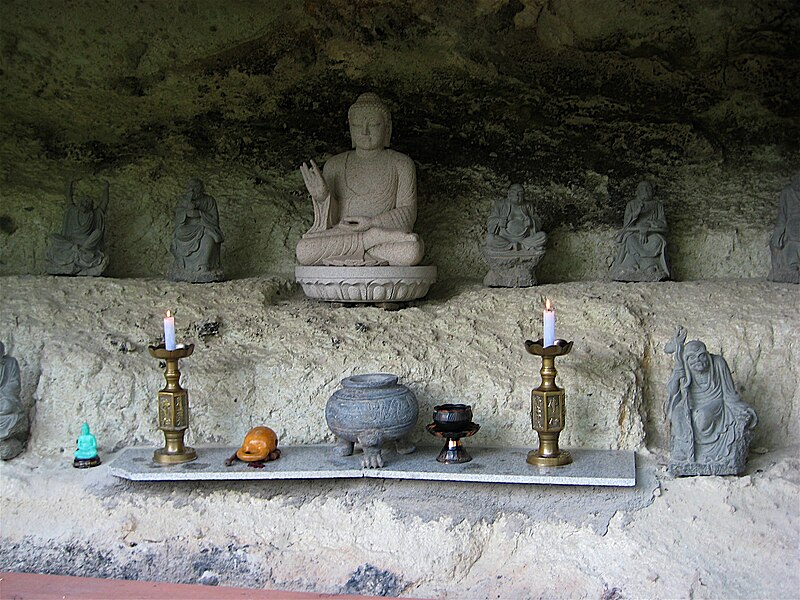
86,454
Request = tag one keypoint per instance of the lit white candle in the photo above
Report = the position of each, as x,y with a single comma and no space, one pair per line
169,331
549,324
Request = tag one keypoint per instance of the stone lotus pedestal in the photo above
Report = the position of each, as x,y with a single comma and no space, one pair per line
511,269
365,284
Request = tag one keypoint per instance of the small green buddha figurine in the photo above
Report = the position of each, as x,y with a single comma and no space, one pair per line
86,454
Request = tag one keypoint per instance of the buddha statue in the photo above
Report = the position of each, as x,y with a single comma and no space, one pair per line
365,207
78,249
641,244
13,416
710,425
86,454
514,241
784,244
365,200
197,237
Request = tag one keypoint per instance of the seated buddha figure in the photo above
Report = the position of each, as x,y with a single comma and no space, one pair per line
514,242
513,226
197,237
86,454
365,200
641,244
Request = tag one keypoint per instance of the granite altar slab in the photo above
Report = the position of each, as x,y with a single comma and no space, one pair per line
615,468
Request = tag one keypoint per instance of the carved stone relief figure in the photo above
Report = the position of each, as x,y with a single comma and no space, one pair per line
514,241
78,249
784,244
197,237
641,244
13,416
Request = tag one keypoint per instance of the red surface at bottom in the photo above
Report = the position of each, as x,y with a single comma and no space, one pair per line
31,586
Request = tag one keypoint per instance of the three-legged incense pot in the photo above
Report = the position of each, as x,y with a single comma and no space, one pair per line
173,408
548,406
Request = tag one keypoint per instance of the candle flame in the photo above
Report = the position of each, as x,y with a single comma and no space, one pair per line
169,314
547,305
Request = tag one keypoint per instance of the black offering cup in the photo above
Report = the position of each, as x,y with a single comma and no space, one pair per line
452,417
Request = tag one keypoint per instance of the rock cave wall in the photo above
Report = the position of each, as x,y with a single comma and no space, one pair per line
576,100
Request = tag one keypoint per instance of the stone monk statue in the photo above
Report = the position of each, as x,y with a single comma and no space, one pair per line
642,245
78,249
197,237
784,244
13,416
365,200
710,425
513,225
514,241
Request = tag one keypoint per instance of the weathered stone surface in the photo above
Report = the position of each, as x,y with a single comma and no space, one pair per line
421,539
576,100
278,357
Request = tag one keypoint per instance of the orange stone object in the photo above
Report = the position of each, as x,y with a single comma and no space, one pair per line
258,444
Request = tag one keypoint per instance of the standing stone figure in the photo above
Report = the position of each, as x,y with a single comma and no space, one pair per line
641,244
514,243
365,200
13,416
785,241
710,425
197,237
78,249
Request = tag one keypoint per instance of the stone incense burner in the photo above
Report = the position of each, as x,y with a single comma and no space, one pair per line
369,410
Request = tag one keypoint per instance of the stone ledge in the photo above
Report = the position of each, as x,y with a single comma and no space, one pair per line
489,465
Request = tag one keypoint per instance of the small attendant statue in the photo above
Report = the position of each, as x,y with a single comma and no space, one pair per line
784,244
86,455
365,200
197,237
78,249
710,425
514,241
13,417
641,244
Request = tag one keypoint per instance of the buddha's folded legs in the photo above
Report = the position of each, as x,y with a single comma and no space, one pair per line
372,247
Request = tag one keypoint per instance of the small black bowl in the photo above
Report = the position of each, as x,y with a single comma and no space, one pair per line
452,417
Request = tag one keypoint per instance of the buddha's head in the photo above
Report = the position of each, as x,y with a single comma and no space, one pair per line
697,357
194,187
84,203
86,441
644,191
370,122
516,194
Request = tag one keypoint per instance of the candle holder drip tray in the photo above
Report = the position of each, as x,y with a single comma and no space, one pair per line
615,468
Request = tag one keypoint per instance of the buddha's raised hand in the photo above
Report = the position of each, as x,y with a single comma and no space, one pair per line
315,183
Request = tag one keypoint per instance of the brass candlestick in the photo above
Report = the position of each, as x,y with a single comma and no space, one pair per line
548,406
173,408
